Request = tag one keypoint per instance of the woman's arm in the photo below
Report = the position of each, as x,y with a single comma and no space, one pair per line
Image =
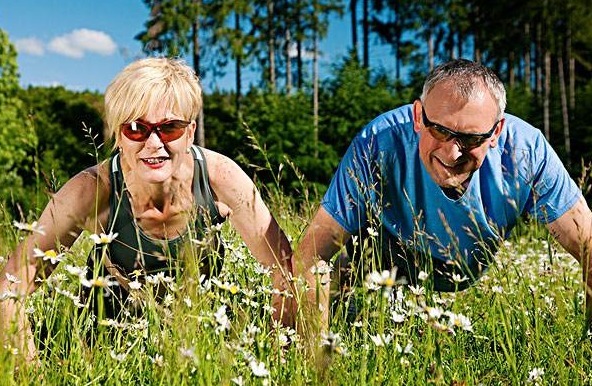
253,221
69,211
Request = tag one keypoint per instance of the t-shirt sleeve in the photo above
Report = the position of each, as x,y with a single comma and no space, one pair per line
554,192
351,192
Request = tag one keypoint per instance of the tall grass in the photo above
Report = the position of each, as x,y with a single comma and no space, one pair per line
521,324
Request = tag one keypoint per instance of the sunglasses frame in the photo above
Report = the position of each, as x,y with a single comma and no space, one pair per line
465,140
146,129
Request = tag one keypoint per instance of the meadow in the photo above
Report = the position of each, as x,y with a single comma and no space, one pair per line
522,323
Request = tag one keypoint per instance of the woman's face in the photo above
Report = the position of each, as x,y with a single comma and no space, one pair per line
153,160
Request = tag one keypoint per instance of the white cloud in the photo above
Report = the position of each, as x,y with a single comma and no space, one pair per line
31,46
78,42
306,54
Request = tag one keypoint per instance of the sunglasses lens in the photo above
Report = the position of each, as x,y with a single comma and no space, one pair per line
136,131
171,130
167,131
438,133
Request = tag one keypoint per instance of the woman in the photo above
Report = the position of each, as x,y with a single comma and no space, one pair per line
159,193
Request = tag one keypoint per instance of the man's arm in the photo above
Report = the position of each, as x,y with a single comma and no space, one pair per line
573,230
323,238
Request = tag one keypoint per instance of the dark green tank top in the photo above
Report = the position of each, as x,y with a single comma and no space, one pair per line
135,254
133,249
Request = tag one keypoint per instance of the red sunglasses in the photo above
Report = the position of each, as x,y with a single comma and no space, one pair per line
167,131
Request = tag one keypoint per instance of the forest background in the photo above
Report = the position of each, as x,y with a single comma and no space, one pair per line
291,129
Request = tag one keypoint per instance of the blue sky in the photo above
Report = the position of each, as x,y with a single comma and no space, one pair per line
83,44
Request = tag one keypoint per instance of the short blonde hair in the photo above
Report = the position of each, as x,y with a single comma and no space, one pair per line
147,83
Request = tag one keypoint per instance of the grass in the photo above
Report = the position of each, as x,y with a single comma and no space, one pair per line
522,323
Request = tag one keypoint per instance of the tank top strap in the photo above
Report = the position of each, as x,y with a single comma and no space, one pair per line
202,191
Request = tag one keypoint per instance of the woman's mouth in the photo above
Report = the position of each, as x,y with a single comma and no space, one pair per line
154,161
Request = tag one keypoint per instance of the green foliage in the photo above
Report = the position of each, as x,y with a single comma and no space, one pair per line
63,121
17,138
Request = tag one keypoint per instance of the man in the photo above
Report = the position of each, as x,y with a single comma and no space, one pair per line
436,186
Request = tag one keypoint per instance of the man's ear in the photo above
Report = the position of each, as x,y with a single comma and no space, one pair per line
497,133
417,121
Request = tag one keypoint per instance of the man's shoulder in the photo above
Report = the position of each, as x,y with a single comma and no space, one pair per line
398,121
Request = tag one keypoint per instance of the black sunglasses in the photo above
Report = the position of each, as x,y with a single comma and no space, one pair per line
465,140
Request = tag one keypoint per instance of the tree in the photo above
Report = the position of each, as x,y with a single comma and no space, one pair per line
17,138
174,29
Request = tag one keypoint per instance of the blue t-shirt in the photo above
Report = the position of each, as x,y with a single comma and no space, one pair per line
381,184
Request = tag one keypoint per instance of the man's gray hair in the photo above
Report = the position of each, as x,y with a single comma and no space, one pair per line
467,76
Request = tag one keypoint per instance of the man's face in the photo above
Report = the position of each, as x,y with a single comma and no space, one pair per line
450,156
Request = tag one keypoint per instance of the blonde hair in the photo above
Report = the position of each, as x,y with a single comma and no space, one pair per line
147,83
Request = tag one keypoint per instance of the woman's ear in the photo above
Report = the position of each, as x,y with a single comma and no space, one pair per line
191,133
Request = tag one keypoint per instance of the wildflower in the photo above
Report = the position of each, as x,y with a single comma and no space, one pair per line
442,327
387,279
76,271
372,232
103,238
12,279
258,369
261,270
458,279
498,289
159,278
50,255
381,340
157,360
239,381
100,282
404,350
417,290
434,312
332,341
8,295
398,317
33,227
118,357
536,375
167,300
423,276
459,320
2,260
321,268
188,353
222,319
187,301
226,286
135,285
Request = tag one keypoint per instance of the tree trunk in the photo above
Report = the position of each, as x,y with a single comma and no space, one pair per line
571,73
288,62
271,44
200,131
353,5
430,42
564,109
315,93
511,69
547,97
527,63
366,34
539,63
238,64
